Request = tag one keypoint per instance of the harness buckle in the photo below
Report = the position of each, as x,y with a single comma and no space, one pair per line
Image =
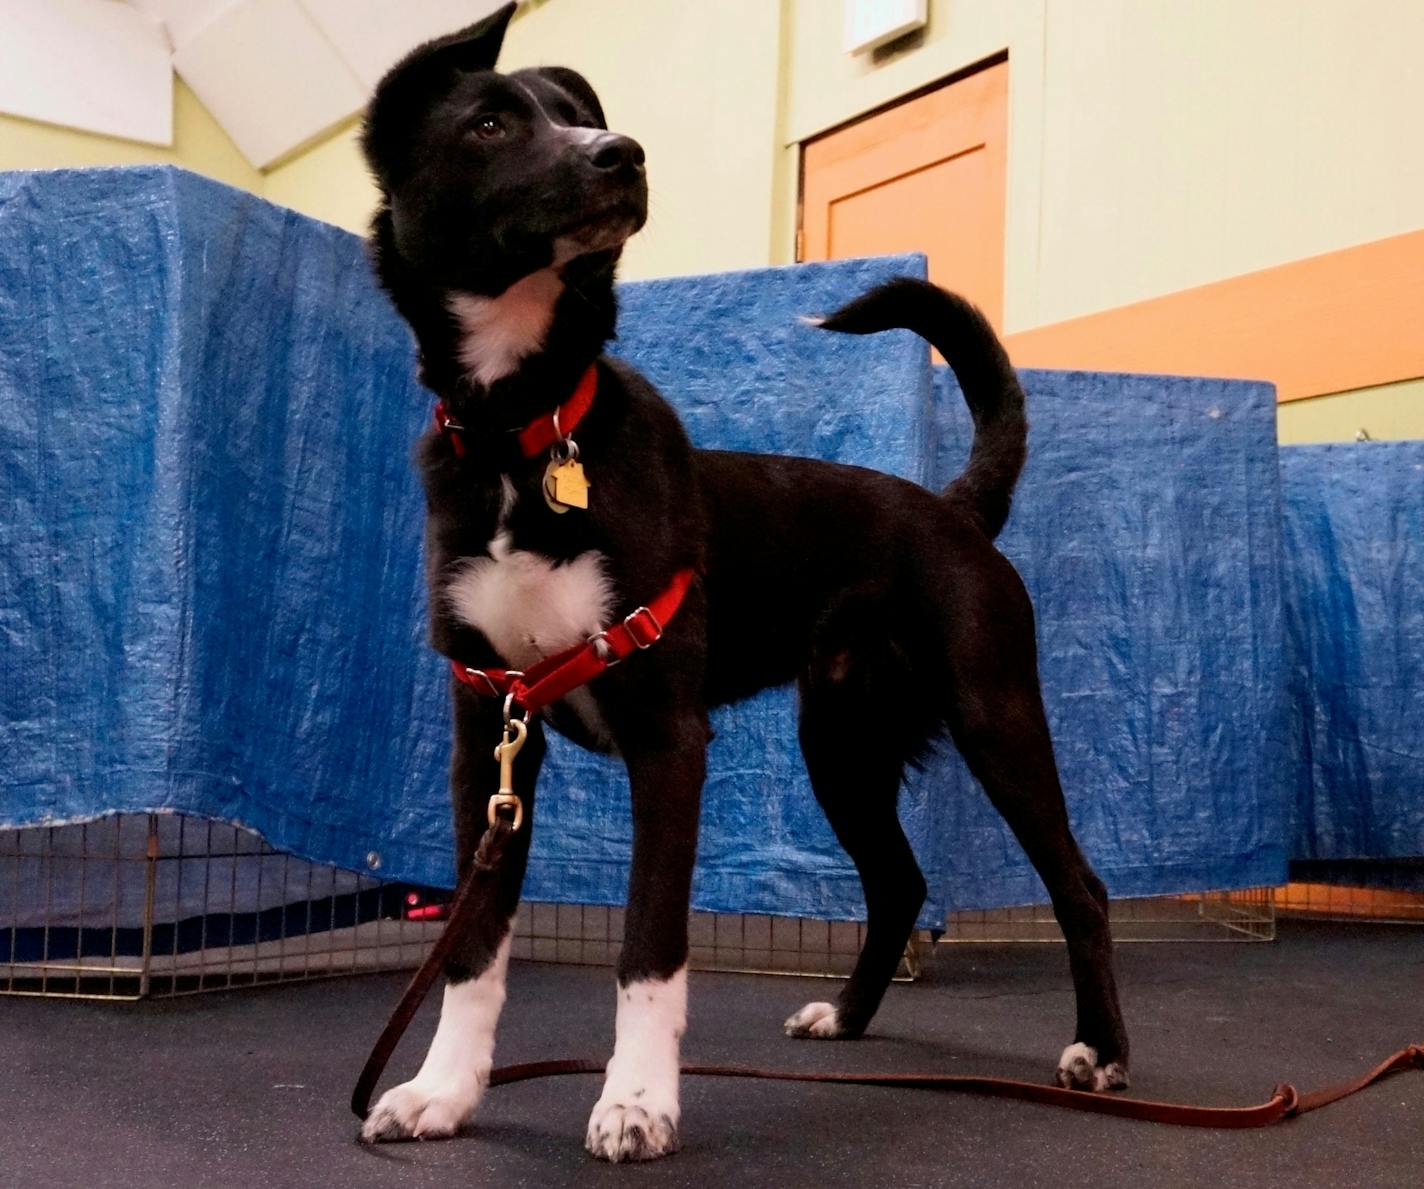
485,677
444,421
600,643
644,627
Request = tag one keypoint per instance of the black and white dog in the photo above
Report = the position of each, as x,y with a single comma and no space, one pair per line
506,203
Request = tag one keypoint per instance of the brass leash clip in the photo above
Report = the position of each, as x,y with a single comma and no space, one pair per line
514,735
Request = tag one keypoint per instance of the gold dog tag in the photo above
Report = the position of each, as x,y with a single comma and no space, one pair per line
565,485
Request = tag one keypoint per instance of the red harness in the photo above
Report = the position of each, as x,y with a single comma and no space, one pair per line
552,678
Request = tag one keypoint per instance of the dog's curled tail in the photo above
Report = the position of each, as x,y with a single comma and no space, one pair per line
959,332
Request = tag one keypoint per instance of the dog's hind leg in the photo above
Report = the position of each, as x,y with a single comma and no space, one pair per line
445,1092
856,753
997,719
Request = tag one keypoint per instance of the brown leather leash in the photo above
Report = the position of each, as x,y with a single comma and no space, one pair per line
483,867
1285,1101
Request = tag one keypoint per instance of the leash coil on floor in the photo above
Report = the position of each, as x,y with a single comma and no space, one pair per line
1285,1101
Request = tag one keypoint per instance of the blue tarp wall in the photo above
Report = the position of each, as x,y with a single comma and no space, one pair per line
1147,529
1354,605
211,591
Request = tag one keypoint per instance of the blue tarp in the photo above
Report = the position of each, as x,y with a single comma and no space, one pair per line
211,591
209,558
1354,556
1146,526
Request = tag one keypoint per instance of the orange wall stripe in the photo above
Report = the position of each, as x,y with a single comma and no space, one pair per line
1347,319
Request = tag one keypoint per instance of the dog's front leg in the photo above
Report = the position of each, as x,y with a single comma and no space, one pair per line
445,1092
637,1116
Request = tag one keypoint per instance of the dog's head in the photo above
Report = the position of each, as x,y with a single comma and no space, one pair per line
489,177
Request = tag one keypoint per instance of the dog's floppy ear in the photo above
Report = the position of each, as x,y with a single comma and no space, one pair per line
577,86
411,84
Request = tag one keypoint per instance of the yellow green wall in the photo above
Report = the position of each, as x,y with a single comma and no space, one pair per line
1152,146
694,83
199,144
1155,146
1390,411
1251,134
328,181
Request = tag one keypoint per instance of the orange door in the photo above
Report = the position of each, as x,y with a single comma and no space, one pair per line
925,176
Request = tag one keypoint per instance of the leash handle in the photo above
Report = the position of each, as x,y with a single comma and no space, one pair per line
1410,1057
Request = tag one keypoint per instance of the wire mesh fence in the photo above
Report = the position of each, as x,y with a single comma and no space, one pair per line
138,905
1245,915
591,935
134,906
154,905
1347,902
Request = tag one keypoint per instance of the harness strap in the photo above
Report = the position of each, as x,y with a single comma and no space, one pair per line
542,433
556,676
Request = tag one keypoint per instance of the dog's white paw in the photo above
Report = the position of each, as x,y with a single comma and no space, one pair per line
421,1110
1078,1069
639,1129
815,1019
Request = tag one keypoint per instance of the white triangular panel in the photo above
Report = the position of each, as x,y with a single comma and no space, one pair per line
89,64
183,18
269,76
373,35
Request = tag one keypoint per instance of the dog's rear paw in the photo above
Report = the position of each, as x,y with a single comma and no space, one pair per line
414,1110
1078,1069
619,1132
820,1020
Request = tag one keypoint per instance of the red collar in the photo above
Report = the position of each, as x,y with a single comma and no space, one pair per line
541,433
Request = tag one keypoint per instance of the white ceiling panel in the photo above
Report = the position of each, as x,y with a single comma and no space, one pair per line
88,64
373,35
183,18
269,76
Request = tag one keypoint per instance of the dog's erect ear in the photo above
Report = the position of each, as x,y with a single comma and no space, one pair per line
412,83
577,86
475,47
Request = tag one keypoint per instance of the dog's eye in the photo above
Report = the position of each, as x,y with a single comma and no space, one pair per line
488,128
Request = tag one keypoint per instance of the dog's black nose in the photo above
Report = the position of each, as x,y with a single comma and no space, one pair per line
613,152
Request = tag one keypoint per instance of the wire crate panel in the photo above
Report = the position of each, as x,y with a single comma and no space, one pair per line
1243,915
1350,902
140,905
591,935
148,904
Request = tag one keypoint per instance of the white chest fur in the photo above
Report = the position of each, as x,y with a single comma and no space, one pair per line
497,332
528,607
